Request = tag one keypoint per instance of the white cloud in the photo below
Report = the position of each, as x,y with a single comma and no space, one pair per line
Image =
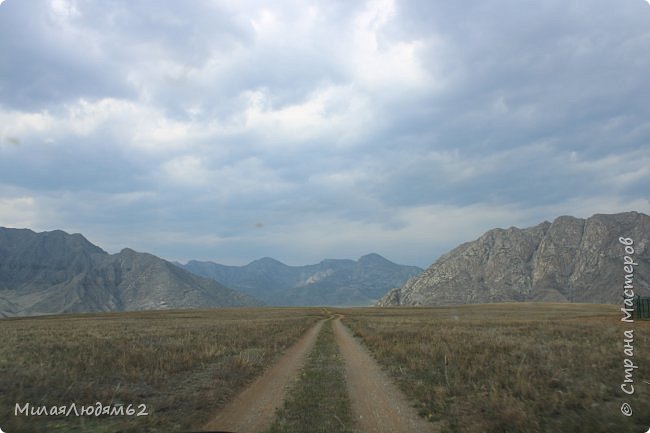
265,24
379,63
22,124
617,171
64,9
131,125
19,212
186,171
242,181
337,114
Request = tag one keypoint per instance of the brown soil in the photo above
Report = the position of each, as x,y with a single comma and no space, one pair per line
377,404
253,410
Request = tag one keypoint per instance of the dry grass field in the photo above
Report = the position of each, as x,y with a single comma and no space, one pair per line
499,368
183,365
512,368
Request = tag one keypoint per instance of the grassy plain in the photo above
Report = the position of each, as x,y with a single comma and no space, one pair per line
318,403
512,368
499,368
183,365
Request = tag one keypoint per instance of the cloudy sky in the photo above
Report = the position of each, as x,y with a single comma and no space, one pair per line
303,130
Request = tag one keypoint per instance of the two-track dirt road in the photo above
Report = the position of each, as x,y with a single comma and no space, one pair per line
378,406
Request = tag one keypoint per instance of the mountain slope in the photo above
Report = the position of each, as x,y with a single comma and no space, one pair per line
330,282
54,272
570,260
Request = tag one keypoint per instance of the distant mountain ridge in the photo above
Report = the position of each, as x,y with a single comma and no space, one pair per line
56,272
569,260
339,282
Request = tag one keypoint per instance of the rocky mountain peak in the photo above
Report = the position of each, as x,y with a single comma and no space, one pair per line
569,260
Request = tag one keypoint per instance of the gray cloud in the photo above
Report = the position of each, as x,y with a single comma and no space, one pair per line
230,131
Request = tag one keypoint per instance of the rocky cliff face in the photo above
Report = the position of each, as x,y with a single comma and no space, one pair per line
570,260
330,282
54,272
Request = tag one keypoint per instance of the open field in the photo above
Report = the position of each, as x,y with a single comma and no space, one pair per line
516,368
497,368
183,365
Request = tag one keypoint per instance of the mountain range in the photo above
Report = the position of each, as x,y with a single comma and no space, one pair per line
331,282
568,260
56,272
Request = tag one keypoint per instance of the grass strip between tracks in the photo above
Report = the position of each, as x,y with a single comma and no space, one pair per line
319,401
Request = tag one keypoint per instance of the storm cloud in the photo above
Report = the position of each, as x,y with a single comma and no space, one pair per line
228,131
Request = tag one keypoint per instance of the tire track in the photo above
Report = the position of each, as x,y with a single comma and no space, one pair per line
378,405
253,410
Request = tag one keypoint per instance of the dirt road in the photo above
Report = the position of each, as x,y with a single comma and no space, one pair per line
379,407
377,404
253,410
